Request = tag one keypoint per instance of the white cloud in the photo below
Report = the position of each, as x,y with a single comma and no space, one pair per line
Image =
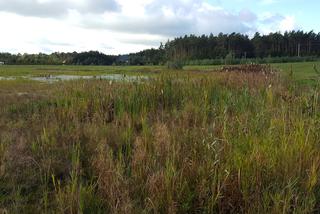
56,8
173,18
268,2
288,24
120,26
274,22
33,35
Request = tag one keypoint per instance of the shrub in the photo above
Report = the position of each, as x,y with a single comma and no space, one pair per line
175,65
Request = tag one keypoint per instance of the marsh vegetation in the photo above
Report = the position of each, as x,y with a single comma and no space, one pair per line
183,142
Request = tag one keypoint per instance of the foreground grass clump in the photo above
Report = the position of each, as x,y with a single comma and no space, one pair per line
207,143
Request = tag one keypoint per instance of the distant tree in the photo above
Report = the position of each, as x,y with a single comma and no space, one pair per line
190,48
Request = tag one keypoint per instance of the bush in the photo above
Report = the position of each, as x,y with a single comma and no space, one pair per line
175,65
229,59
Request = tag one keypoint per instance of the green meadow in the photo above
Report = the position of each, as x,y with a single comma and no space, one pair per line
189,141
41,70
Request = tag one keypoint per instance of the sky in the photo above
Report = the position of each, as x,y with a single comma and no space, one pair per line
127,26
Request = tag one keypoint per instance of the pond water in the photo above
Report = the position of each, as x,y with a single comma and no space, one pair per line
51,78
7,78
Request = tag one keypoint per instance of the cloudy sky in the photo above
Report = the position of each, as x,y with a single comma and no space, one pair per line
124,26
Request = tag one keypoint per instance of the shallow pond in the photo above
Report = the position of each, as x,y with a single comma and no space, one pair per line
51,78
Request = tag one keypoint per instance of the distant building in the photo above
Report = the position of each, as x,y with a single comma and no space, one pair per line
1,63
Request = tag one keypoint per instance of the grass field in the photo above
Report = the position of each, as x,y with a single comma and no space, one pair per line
38,70
191,141
301,71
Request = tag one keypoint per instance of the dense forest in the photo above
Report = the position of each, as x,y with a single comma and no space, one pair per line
210,49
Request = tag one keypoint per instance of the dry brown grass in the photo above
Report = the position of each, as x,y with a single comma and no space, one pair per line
112,185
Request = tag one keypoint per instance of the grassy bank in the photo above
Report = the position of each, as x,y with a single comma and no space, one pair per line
180,143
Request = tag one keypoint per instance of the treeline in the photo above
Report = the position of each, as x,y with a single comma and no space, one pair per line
148,57
235,45
235,48
206,49
84,58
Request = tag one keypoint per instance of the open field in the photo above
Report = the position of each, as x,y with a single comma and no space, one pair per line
191,141
40,70
301,71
